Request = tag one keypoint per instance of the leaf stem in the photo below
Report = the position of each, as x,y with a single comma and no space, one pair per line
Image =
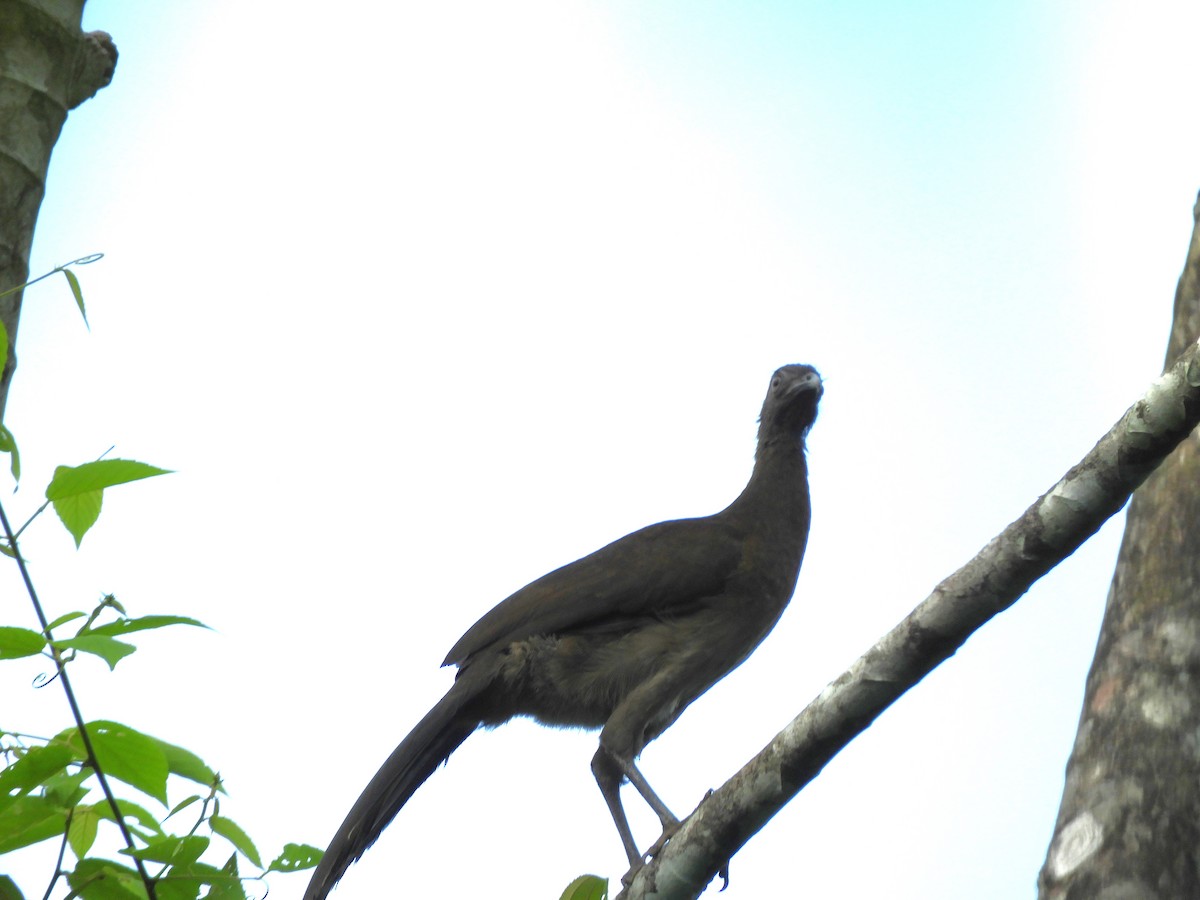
71,701
82,261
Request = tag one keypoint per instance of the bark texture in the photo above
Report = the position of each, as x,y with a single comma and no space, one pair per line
48,66
1129,824
1048,532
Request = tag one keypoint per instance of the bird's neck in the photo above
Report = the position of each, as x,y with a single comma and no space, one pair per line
778,486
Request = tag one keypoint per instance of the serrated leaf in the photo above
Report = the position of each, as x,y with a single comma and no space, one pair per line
186,764
73,281
108,649
143,623
103,879
232,832
182,805
229,887
126,754
64,619
30,820
139,814
79,513
173,850
16,643
296,858
77,492
66,788
81,832
33,769
185,880
586,887
69,481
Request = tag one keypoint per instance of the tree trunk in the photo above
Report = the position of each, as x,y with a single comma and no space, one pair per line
1150,433
1129,824
48,66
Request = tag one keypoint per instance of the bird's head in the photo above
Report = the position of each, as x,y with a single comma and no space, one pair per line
791,405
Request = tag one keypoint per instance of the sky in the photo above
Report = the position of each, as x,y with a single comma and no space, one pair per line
421,301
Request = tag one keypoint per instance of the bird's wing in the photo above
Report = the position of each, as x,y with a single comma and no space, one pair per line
657,571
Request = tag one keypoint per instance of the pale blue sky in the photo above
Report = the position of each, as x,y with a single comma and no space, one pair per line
391,284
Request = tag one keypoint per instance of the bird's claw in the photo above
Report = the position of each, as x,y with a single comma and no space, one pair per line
669,829
627,878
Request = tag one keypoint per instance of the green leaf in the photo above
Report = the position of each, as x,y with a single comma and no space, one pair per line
81,832
132,757
143,623
296,858
185,880
18,642
173,850
182,805
34,768
111,651
103,879
77,492
126,754
232,832
9,890
586,887
79,513
8,444
186,764
66,788
181,889
73,281
64,619
142,816
112,602
96,475
229,886
30,820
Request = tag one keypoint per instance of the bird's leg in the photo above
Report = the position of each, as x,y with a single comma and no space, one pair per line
670,822
609,767
608,777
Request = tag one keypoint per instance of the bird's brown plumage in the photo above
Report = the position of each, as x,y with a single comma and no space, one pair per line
622,639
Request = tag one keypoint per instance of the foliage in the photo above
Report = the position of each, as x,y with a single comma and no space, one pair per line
61,787
48,785
586,887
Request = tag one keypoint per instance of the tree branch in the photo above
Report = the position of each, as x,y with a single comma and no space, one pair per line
1047,533
1129,821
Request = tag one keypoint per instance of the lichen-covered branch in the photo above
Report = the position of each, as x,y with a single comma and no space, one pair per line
1048,532
1129,823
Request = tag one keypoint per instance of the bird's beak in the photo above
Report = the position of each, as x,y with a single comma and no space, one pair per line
811,381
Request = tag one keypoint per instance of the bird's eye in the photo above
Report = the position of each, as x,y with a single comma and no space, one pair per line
775,382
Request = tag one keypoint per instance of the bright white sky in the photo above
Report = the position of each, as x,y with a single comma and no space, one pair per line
423,300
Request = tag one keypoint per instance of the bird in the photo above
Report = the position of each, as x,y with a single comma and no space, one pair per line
622,640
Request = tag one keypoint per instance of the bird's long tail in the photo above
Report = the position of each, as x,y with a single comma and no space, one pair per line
427,746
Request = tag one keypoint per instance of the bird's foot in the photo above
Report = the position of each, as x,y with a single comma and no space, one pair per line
634,868
669,829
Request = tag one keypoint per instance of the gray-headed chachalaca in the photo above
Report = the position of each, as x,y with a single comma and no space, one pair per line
621,640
